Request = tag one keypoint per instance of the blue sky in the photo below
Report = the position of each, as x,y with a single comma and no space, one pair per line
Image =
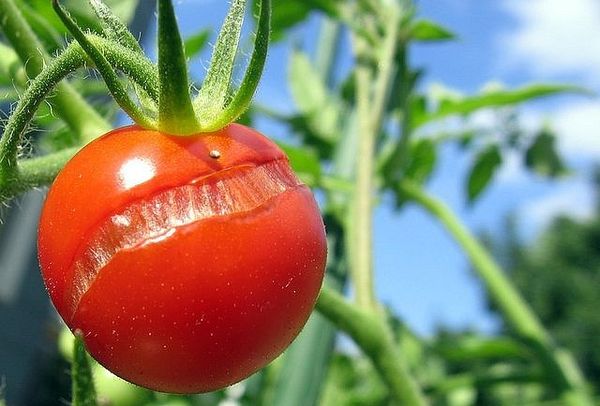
420,272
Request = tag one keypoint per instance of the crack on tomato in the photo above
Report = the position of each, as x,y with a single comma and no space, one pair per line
153,219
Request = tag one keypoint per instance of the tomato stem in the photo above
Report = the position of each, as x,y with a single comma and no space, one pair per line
372,97
117,31
83,390
12,181
175,112
370,331
111,78
68,62
67,103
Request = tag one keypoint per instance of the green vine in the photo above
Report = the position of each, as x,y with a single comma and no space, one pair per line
372,98
83,390
67,103
372,334
12,182
112,80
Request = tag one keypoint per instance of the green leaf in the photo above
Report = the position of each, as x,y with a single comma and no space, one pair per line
483,170
542,156
84,393
417,107
428,31
308,90
286,14
495,98
242,98
289,13
214,94
304,161
320,111
422,160
195,44
474,348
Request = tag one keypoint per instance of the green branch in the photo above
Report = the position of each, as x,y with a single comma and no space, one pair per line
371,333
41,171
67,103
560,366
12,181
372,94
35,95
362,208
112,80
82,386
115,30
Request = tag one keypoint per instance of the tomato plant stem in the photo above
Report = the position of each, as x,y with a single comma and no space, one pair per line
69,61
372,334
387,70
41,171
12,182
560,366
67,103
371,105
362,207
83,391
112,80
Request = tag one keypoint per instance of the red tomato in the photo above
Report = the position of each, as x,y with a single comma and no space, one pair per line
188,263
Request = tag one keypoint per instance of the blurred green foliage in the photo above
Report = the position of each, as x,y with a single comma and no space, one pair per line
559,274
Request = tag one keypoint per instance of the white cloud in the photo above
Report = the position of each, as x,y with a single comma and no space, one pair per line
578,126
554,37
574,199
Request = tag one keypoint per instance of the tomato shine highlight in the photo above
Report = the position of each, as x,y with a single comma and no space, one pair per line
187,262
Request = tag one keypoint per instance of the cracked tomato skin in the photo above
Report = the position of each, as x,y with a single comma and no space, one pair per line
187,263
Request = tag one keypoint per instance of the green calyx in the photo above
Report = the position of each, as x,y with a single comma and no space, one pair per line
168,104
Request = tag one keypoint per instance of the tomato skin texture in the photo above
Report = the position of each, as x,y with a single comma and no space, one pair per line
209,302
